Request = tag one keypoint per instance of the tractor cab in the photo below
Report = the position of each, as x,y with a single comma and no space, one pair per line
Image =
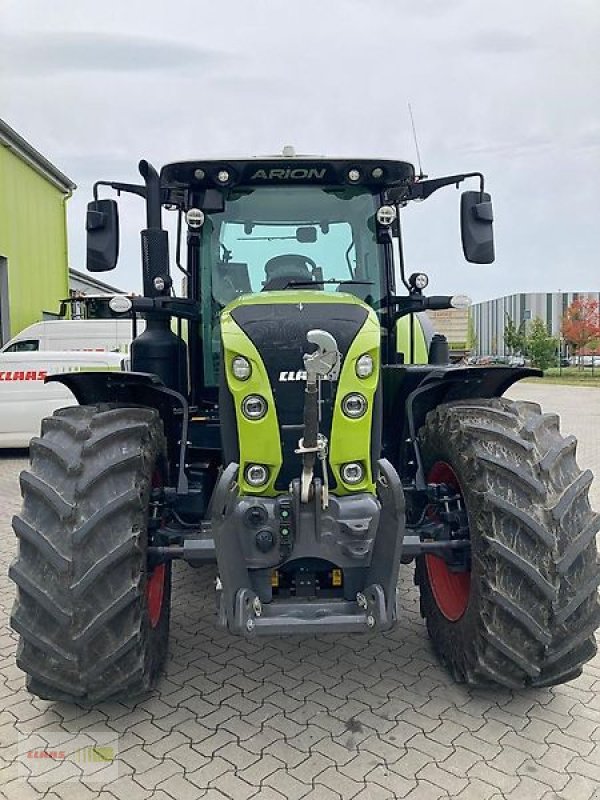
285,223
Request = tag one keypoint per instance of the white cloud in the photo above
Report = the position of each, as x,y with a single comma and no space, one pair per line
511,90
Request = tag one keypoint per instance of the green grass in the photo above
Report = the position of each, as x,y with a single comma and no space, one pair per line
571,376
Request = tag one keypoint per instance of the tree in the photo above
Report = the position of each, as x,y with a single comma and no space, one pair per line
514,337
581,323
541,346
471,335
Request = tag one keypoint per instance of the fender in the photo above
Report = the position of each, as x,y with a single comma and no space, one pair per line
139,389
415,390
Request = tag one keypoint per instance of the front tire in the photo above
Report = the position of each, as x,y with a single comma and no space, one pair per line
526,612
93,618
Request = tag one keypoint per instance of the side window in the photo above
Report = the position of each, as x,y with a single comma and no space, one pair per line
25,346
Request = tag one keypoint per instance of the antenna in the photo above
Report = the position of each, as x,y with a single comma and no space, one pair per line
414,132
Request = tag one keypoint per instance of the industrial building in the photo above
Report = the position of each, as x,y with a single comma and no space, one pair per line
34,274
489,317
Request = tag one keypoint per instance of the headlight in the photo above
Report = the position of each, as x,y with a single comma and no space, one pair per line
194,218
256,474
354,405
241,368
386,215
418,280
364,366
254,406
353,472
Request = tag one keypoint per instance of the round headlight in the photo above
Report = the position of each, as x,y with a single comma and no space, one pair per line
241,368
418,280
353,472
364,366
256,474
354,405
194,217
386,215
254,406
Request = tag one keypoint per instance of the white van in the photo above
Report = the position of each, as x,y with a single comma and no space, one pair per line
93,335
24,397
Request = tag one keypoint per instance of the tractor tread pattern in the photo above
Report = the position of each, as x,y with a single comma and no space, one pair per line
534,606
80,569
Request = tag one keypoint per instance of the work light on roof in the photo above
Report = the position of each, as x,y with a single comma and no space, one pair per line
353,175
199,174
222,176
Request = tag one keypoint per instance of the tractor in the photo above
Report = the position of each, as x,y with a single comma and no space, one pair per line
287,416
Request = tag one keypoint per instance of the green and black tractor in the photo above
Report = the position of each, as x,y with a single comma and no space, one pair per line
289,419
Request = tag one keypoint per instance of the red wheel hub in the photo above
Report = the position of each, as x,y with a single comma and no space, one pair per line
155,590
450,590
155,587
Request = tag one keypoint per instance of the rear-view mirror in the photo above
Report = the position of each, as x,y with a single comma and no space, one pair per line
102,226
306,234
477,227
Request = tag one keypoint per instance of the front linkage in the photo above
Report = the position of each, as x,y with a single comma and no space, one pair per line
360,533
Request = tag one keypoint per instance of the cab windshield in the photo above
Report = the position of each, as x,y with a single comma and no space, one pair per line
301,237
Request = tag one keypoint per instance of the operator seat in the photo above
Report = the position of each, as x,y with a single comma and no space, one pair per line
280,270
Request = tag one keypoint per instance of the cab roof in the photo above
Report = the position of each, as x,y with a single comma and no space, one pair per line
377,173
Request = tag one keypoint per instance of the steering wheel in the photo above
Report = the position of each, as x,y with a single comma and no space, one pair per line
288,267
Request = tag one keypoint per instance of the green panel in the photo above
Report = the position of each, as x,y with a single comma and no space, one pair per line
351,438
421,355
33,239
258,439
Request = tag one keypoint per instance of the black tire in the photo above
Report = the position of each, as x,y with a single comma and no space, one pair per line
533,603
81,608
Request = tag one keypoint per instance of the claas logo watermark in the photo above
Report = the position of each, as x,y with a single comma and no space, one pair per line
85,754
49,756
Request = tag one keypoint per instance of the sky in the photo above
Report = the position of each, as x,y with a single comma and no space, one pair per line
510,89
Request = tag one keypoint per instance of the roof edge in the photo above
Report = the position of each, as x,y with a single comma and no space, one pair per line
83,276
13,141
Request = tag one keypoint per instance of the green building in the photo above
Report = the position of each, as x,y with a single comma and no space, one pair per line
34,273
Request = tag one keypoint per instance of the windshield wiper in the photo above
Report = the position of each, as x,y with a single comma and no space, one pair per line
341,282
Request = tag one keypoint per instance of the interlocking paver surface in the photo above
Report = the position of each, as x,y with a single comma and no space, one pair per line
371,716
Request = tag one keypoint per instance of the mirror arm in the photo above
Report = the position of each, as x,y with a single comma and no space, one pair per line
421,190
131,188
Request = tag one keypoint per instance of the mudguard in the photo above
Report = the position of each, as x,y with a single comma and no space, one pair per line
137,389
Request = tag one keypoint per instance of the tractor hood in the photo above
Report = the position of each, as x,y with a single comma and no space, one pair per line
270,330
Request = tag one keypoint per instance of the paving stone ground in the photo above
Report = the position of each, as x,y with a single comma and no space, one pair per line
368,717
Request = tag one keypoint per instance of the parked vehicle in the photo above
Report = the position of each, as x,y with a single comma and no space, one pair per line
94,335
25,398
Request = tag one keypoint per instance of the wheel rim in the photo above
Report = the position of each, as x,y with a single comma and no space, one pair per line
155,587
155,591
451,590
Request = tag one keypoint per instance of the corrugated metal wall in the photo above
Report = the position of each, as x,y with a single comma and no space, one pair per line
489,316
33,239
